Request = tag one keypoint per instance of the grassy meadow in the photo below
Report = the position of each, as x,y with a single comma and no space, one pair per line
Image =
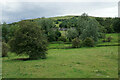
95,62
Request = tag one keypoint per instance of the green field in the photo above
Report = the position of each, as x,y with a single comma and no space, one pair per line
95,62
114,40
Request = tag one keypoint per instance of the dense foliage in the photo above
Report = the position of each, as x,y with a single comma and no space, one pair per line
30,40
76,43
88,42
5,49
88,27
62,38
31,36
5,31
53,35
116,25
71,34
46,25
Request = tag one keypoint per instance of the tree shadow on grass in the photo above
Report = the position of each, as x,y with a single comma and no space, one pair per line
26,59
21,59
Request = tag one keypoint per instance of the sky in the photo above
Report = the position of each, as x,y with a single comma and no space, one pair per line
16,10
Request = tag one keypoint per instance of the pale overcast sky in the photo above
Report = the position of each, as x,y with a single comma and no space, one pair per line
16,10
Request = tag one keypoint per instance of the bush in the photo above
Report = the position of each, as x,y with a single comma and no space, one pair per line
62,38
88,42
5,49
76,43
30,40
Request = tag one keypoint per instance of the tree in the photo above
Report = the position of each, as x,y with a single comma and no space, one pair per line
46,25
5,31
58,34
30,40
53,35
12,30
5,49
71,34
116,25
88,27
81,23
108,24
102,24
64,24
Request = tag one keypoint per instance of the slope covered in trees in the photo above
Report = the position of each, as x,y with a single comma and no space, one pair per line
82,28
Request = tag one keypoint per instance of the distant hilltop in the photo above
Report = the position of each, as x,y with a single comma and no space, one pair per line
57,18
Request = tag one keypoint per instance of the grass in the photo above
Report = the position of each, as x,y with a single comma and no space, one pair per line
59,46
97,62
114,40
61,17
0,68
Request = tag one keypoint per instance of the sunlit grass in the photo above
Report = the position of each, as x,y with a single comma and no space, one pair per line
97,62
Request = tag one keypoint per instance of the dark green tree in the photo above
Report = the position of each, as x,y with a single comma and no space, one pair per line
53,35
58,34
108,24
64,24
5,32
76,43
30,40
116,25
88,42
5,49
46,24
12,30
72,33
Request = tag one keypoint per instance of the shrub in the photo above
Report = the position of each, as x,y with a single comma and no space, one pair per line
88,42
30,40
5,49
62,38
76,43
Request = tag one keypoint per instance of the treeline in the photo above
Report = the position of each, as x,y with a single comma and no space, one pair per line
106,25
32,36
109,25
